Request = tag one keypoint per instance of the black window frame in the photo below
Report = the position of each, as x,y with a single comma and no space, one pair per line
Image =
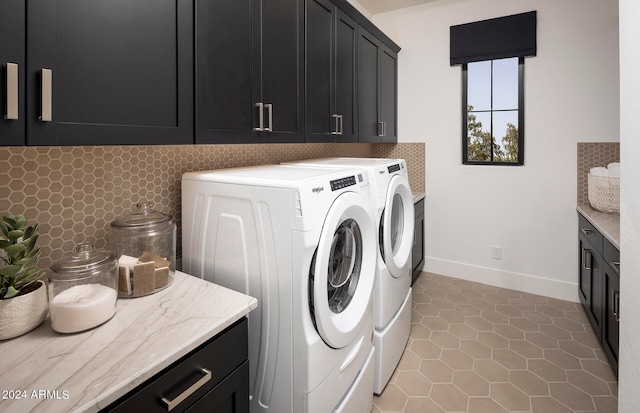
465,143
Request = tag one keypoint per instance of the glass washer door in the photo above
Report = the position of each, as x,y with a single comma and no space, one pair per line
344,270
397,227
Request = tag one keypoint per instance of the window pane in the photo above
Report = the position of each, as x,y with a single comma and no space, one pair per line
479,136
505,131
505,84
479,85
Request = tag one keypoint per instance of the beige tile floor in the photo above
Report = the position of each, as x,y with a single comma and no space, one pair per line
482,349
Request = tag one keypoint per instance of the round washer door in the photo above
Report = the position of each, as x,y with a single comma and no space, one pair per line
344,270
397,227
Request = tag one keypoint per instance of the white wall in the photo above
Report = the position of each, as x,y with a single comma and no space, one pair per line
629,376
571,95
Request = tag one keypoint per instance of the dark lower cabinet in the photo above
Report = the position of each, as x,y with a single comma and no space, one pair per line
417,254
611,330
249,79
212,378
599,286
109,72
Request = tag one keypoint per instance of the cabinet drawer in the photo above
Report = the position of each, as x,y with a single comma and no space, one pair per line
611,255
590,233
219,356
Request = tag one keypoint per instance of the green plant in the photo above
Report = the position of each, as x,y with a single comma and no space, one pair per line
20,255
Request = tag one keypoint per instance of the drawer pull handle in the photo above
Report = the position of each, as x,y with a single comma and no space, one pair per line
171,404
586,231
615,302
586,260
616,264
260,126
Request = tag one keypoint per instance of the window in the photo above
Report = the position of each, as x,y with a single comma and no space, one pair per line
492,112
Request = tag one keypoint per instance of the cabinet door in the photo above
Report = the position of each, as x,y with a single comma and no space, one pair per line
611,334
12,72
227,70
248,71
591,284
121,71
368,128
388,95
282,63
345,84
320,45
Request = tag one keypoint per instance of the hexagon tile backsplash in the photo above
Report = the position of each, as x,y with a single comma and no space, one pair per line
74,192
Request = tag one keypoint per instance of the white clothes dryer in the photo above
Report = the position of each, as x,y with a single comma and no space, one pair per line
393,210
302,241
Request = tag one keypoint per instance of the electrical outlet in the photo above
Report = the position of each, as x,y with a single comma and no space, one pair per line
496,253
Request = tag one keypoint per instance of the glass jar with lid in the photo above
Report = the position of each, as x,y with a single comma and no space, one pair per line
83,289
145,240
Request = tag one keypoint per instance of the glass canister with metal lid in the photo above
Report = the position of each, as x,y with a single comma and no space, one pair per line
145,240
83,289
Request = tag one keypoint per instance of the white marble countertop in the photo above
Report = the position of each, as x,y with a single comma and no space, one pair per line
85,372
607,224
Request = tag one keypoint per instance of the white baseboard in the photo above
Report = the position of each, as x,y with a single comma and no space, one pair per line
498,278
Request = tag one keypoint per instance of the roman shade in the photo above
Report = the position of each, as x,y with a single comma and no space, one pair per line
499,38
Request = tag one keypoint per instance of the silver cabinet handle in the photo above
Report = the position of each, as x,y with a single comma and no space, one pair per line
615,304
260,107
616,265
340,124
586,231
269,107
12,92
336,131
46,95
584,259
171,404
382,128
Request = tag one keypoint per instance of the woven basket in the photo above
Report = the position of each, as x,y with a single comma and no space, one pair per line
604,193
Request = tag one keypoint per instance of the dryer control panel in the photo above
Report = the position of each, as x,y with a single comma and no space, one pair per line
343,183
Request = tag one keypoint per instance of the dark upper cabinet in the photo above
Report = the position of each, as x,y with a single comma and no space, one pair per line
249,80
331,44
12,72
377,90
109,72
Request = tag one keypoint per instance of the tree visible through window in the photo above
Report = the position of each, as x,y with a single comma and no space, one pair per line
493,114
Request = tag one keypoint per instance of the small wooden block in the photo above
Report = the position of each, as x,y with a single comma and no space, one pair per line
158,260
124,280
162,277
144,278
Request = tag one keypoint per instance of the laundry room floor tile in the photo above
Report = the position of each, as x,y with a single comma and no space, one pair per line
481,349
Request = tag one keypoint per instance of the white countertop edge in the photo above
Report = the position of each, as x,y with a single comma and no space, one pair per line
607,224
97,367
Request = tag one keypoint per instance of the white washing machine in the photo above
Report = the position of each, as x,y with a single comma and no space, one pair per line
393,209
303,242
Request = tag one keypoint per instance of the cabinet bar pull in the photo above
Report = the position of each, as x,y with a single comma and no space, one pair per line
340,123
616,265
382,128
615,304
269,107
46,94
584,259
171,404
12,92
260,107
336,131
586,231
